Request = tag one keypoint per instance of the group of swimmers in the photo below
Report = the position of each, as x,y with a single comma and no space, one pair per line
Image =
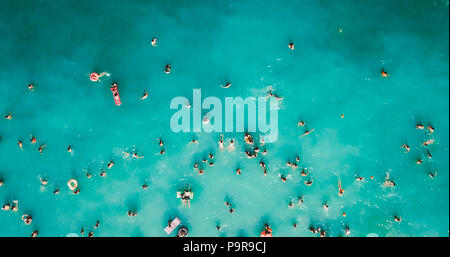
425,143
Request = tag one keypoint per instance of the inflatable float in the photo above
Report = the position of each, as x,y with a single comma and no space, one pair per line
115,92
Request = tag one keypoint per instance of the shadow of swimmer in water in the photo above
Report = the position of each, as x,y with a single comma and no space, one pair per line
256,120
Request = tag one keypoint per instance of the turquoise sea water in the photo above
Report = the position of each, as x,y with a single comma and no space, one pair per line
55,44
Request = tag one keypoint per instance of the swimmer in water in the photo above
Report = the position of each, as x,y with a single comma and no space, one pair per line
144,95
227,85
132,213
308,183
231,145
97,224
341,190
263,165
271,94
432,175
221,142
384,73
91,234
295,225
33,140
419,161
248,139
31,87
160,142
307,132
69,149
359,178
303,173
325,206
238,171
168,69
291,46
194,141
429,155
210,156
406,147
430,129
103,173
41,148
397,218
110,164
145,186
8,116
300,201
153,42
1,182
15,206
419,126
301,124
27,219
6,207
428,142
135,155
387,182
347,231
56,191
44,182
88,175
283,178
35,233
19,143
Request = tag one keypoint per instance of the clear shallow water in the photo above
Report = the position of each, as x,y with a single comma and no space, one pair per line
209,42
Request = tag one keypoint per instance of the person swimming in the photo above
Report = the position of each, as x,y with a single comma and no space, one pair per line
283,178
309,182
238,171
41,148
1,182
419,161
6,207
384,73
406,147
359,178
300,201
341,190
291,46
432,175
27,219
110,164
221,142
227,85
231,145
33,140
325,206
419,126
103,173
397,218
145,186
31,87
132,213
160,141
263,165
430,129
387,182
35,233
153,42
301,123
135,155
248,139
303,173
56,191
307,132
168,69
144,95
8,116
44,182
19,143
69,149
193,141
428,142
429,155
